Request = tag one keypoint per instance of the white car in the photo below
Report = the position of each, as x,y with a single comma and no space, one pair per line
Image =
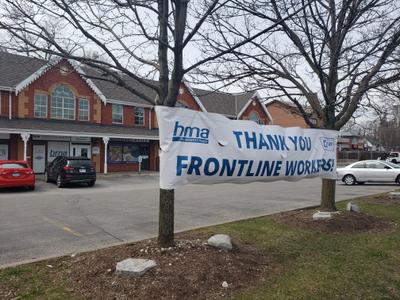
394,157
369,170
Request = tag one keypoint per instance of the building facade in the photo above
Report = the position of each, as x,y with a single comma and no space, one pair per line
51,109
287,115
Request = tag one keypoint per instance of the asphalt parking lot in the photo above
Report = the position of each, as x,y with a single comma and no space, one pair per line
50,221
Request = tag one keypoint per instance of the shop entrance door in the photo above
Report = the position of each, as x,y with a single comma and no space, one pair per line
3,151
39,158
80,150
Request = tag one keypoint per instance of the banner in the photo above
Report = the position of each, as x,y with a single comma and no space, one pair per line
208,148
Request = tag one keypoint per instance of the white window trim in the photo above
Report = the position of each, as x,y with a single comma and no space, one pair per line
55,118
143,116
47,112
122,114
79,115
51,106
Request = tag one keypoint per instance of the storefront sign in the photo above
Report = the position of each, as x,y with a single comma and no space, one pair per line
50,138
55,149
208,148
80,139
95,150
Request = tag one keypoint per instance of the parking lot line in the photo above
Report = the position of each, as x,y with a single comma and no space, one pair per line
63,227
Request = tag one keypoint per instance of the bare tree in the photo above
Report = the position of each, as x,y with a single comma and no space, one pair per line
136,38
330,56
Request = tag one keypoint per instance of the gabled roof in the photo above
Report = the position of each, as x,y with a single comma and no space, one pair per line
17,72
114,92
223,103
15,68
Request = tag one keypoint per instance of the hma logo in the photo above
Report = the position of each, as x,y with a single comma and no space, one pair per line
328,143
190,134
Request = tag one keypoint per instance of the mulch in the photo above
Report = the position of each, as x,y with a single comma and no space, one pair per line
341,222
190,270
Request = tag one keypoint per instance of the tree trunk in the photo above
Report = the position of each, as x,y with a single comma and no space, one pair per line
328,192
166,219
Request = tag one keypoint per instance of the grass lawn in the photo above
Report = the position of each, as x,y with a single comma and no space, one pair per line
304,263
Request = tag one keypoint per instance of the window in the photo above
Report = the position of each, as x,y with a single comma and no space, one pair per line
40,106
375,165
255,117
13,166
139,116
181,104
126,152
313,121
360,165
63,103
117,112
83,110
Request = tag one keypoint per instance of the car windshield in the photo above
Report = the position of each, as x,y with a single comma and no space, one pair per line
13,165
79,162
393,165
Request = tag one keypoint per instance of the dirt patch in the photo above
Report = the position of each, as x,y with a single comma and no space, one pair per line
191,270
341,222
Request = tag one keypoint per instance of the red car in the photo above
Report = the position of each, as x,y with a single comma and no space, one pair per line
16,173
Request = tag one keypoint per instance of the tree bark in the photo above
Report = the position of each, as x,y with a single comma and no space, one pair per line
166,219
328,192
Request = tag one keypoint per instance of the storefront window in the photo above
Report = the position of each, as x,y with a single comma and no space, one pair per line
83,110
63,103
117,113
126,152
139,116
40,106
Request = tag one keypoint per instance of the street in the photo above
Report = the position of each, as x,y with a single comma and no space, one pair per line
50,221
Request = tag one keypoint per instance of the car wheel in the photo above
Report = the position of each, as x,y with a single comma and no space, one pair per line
349,180
91,183
60,183
398,179
46,177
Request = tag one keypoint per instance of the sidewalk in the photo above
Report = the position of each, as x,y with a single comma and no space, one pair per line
127,174
40,177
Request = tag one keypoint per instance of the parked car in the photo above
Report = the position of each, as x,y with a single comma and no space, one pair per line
16,173
65,169
369,170
394,157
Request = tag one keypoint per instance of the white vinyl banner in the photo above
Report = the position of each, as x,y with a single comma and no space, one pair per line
208,148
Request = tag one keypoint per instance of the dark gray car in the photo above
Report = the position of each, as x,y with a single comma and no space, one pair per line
65,169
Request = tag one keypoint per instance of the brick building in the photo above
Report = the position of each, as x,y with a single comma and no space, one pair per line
48,110
287,115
